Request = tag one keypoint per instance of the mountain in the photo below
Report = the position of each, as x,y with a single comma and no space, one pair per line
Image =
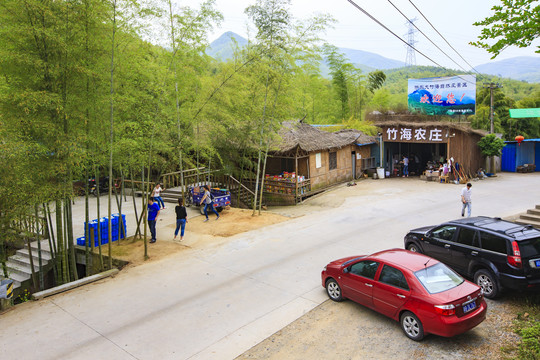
372,60
525,68
222,49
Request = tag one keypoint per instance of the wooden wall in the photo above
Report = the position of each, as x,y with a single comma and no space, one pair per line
463,147
322,176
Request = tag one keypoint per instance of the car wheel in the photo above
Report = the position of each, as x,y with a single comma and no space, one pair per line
414,248
201,209
411,326
333,290
487,282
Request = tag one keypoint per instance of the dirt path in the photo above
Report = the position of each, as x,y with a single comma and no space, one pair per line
350,331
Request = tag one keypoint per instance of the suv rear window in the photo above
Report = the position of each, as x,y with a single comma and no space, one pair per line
493,242
530,248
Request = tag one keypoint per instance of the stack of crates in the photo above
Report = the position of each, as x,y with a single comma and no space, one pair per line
104,227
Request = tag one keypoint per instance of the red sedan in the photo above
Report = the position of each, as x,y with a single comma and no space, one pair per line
423,294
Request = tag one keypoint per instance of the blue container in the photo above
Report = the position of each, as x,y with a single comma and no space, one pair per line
81,241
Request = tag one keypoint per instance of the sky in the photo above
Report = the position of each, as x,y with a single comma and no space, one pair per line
354,30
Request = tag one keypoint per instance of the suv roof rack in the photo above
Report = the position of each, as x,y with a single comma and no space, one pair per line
519,228
486,221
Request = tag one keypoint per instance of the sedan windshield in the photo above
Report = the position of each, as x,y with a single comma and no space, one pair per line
438,278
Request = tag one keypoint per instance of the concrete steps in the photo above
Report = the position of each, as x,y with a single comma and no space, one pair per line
531,217
19,268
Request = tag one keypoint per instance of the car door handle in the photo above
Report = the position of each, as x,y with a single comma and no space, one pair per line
474,253
368,285
401,296
447,246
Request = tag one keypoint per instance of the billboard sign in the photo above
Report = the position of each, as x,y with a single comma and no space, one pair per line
450,95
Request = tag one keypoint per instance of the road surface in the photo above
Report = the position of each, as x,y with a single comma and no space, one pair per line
217,303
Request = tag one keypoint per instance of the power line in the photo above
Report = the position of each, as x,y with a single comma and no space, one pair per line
390,31
472,67
427,37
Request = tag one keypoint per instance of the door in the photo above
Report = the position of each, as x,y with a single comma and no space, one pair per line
465,249
353,155
439,243
391,291
357,283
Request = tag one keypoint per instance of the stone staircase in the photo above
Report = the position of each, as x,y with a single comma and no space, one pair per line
532,217
19,269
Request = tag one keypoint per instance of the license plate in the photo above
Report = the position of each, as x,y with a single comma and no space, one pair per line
468,307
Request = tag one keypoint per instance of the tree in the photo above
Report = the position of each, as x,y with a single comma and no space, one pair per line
515,23
491,146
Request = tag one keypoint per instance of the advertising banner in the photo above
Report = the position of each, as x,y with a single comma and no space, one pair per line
451,95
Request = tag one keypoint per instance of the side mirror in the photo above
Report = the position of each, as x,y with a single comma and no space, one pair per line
346,270
428,234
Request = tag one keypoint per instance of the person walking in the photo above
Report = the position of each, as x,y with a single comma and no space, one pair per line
207,199
181,219
405,166
466,193
153,212
156,194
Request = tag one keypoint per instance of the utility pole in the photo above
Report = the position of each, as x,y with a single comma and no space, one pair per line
491,87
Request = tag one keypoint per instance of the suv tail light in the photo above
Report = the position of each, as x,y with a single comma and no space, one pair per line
515,260
445,310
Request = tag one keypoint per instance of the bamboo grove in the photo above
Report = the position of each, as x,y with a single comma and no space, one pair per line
124,89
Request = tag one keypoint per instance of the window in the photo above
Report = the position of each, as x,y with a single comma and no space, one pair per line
530,248
468,237
332,161
394,277
438,278
366,268
493,242
444,233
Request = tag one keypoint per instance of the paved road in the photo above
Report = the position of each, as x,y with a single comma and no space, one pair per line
217,303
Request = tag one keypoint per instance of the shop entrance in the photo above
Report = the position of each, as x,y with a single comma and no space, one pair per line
422,156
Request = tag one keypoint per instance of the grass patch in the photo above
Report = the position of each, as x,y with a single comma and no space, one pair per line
528,327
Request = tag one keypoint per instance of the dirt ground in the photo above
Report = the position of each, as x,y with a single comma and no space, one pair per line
198,234
347,330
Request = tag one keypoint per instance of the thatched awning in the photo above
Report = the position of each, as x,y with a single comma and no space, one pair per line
307,138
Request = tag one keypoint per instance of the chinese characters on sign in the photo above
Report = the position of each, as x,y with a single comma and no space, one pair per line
420,134
450,95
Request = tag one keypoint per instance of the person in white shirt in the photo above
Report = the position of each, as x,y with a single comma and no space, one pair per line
405,166
156,194
466,193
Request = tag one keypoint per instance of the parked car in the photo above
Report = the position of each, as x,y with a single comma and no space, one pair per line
423,294
495,253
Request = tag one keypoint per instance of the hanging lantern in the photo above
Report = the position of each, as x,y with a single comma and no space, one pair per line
519,139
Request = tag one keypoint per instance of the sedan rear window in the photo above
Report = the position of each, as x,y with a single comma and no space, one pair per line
438,278
530,248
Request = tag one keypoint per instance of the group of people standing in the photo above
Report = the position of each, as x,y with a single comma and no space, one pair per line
156,204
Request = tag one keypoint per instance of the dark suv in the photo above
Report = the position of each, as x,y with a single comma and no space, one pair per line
495,253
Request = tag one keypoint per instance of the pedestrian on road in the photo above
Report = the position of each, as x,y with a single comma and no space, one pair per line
466,193
181,219
405,166
153,212
207,199
156,194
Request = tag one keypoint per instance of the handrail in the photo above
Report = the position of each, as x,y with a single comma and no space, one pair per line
184,171
242,185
